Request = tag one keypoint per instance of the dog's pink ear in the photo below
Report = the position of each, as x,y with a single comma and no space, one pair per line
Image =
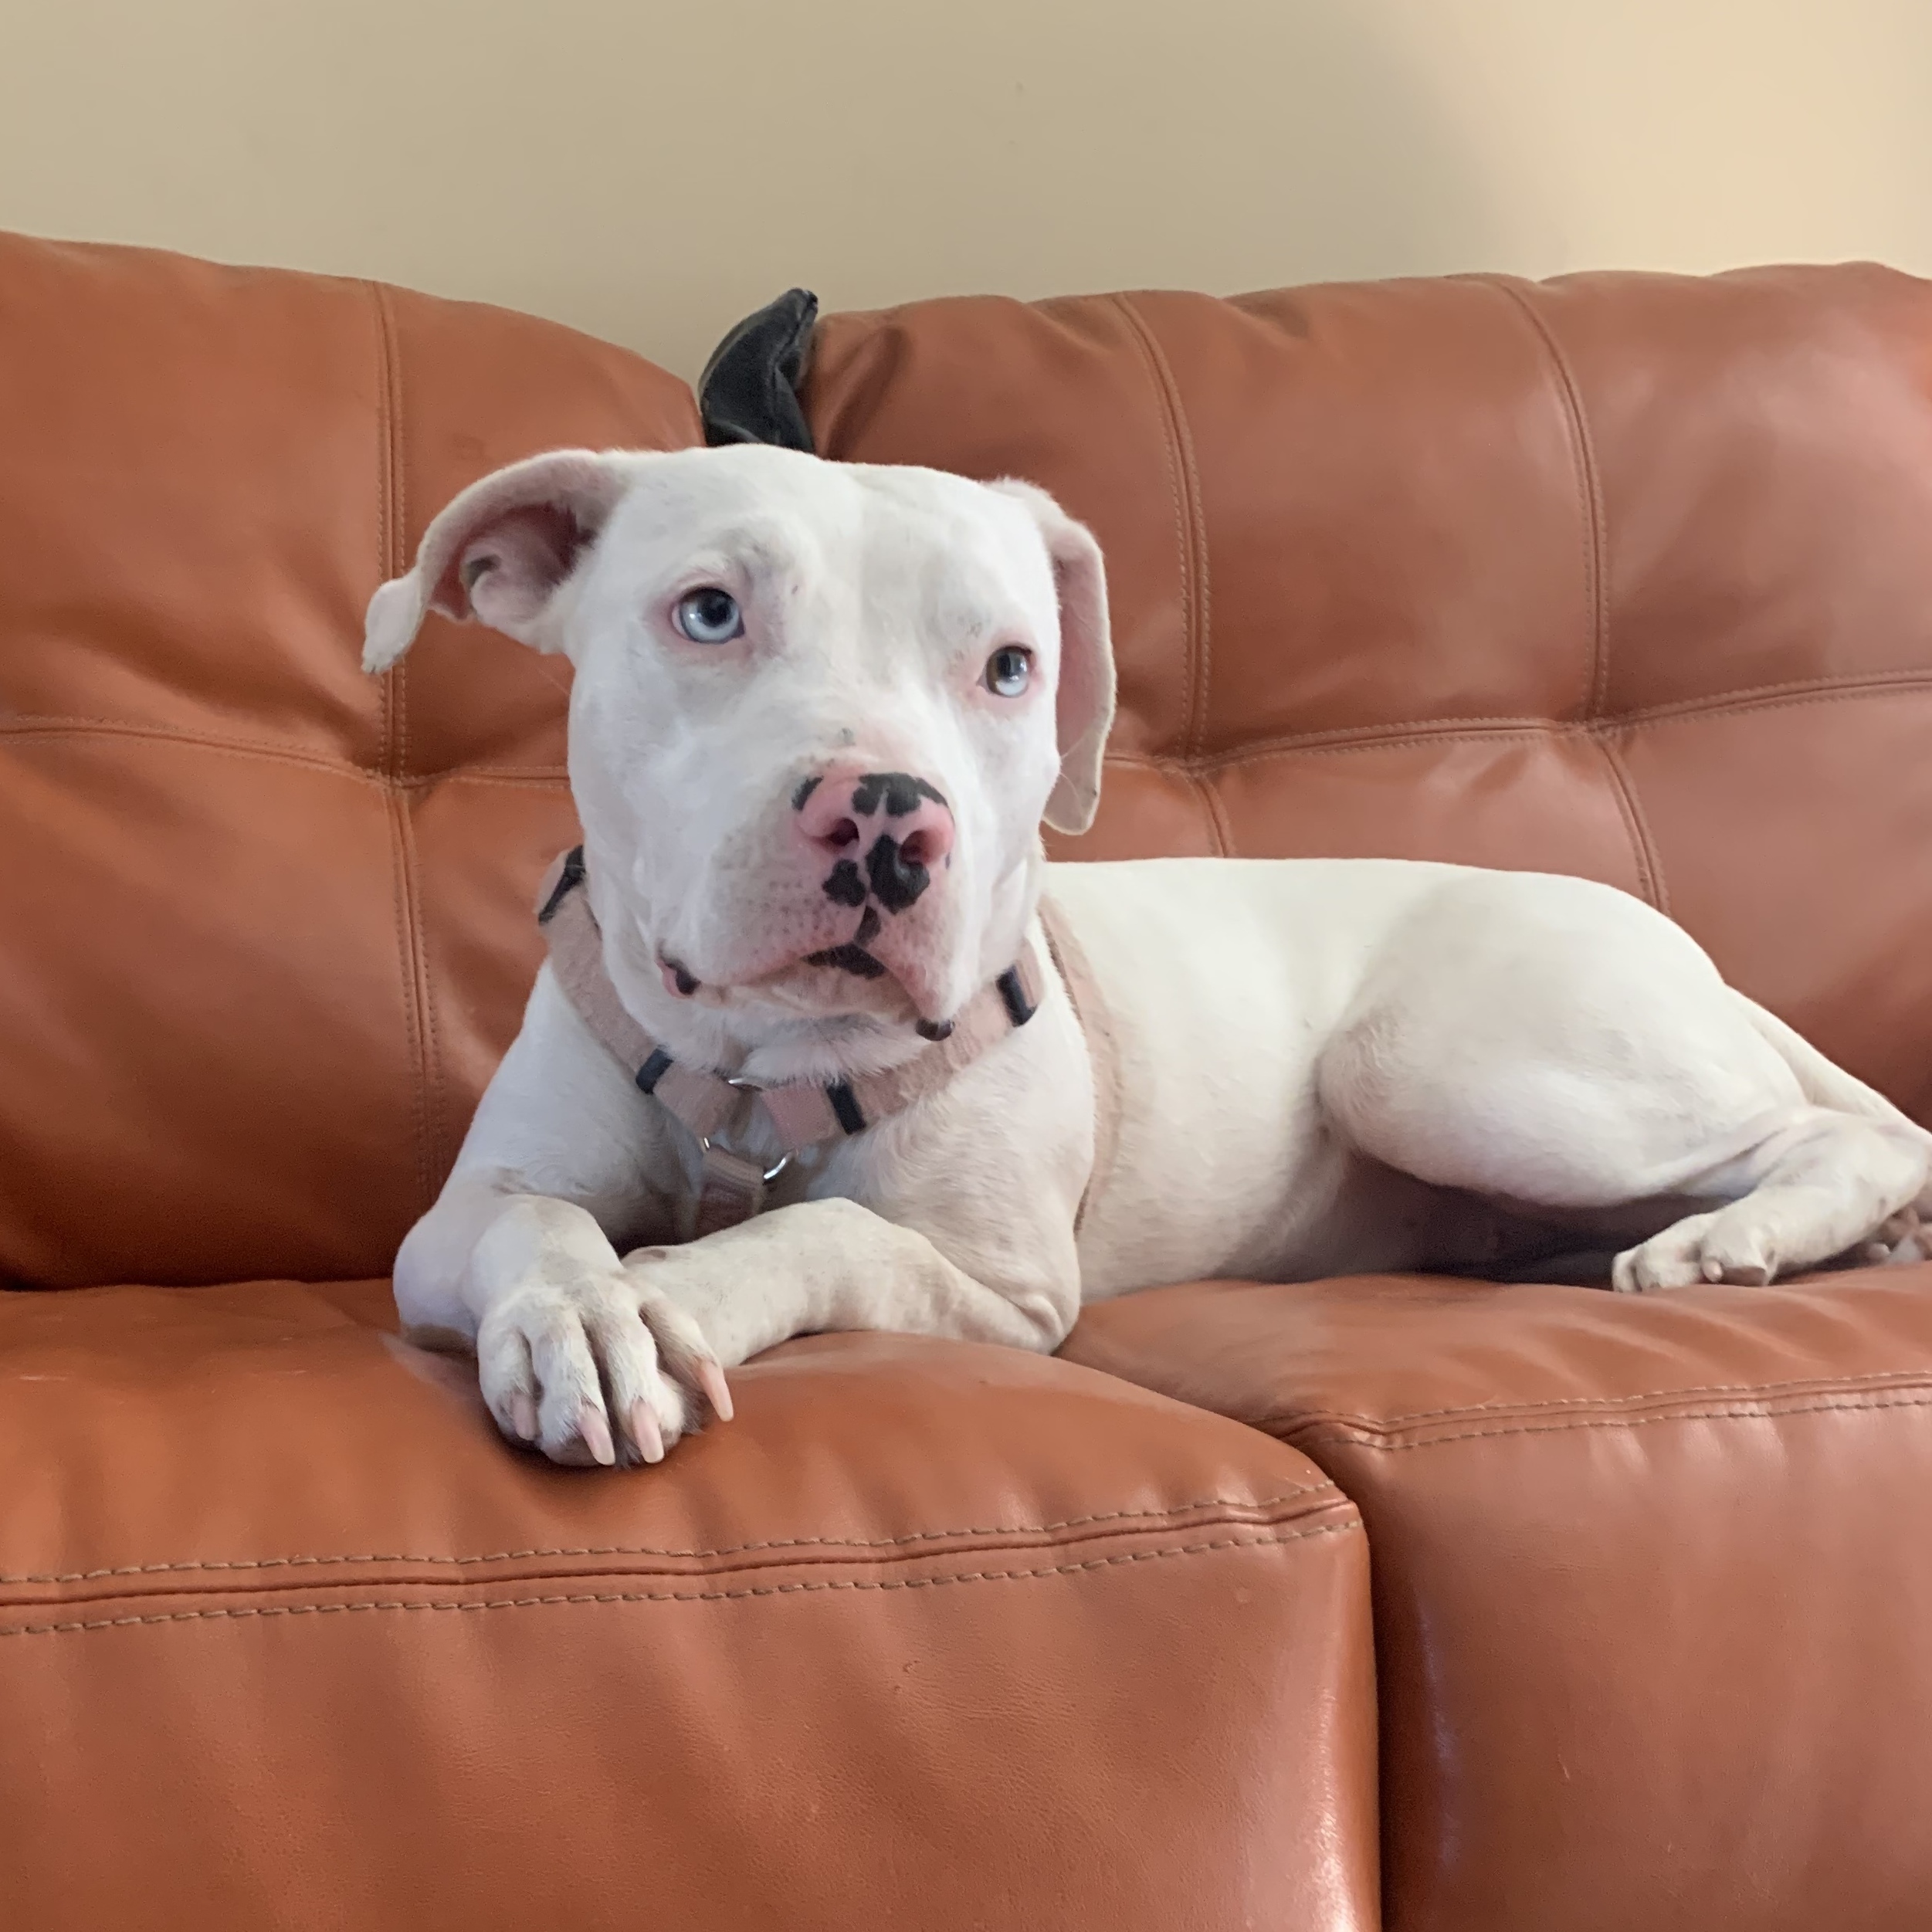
1083,702
497,553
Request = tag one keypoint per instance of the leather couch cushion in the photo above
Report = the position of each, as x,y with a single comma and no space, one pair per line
1624,576
931,1635
1652,1594
267,924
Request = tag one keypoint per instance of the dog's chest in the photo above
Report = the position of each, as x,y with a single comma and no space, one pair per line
1224,982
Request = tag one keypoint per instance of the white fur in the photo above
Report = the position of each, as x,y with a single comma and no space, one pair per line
1327,1066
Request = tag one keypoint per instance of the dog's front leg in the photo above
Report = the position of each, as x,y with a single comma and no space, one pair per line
596,1359
574,1356
834,1264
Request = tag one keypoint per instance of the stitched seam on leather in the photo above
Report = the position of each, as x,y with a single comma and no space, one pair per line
398,805
1474,729
1504,731
418,1015
164,734
1776,697
385,445
530,781
1753,698
1201,656
1372,738
1218,812
50,726
1883,1379
1149,1517
1643,847
389,513
817,1587
398,541
425,995
1343,738
1210,804
1582,456
1763,1412
1183,522
1463,731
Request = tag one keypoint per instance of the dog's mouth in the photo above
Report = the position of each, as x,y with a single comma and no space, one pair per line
852,956
853,959
847,980
865,965
842,982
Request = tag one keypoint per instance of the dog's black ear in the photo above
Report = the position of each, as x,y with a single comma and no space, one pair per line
749,391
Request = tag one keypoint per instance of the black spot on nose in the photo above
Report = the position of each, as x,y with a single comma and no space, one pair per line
896,881
843,885
898,791
804,791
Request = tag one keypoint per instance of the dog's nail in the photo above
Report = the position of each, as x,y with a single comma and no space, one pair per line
1713,1270
646,1433
523,1416
596,1432
716,1390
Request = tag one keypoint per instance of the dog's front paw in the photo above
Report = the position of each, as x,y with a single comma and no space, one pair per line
598,1369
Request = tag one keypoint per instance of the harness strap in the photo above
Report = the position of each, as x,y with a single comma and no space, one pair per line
1103,1046
801,1115
733,1189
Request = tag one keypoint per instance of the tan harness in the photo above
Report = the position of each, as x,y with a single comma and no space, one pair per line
803,1114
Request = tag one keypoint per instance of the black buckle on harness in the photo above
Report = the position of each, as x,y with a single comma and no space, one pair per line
567,881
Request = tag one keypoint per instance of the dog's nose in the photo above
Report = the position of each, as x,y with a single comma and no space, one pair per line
882,833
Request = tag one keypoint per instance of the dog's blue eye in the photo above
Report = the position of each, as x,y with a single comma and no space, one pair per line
709,616
1009,671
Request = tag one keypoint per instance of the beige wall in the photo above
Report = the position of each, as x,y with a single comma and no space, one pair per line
649,169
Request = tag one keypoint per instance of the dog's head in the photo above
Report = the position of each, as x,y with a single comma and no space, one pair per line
819,712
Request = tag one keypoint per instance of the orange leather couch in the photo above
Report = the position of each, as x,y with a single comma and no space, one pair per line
1628,576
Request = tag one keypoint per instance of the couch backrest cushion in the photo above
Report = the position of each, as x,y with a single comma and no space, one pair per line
1624,576
266,921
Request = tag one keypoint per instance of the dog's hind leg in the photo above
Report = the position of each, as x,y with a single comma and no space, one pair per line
1567,1054
1823,1187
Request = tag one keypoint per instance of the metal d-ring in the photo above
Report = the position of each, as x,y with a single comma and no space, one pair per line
771,1173
747,1086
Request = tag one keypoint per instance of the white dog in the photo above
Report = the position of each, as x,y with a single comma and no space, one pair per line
803,1002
